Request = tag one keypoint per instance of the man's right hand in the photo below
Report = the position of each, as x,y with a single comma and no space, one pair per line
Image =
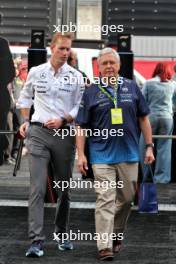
82,164
23,129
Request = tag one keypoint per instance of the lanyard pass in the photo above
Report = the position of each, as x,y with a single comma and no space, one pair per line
116,116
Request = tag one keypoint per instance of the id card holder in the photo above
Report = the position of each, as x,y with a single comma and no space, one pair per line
116,116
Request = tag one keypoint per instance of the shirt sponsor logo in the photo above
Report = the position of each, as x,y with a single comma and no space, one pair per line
66,80
103,104
43,75
126,98
101,95
125,89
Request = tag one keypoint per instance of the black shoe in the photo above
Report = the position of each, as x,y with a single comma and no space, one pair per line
105,254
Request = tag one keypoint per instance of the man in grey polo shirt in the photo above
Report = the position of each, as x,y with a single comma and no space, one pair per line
58,89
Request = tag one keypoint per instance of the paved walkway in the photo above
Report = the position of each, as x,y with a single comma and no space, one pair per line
150,239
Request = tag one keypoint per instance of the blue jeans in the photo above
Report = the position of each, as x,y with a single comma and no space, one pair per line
162,149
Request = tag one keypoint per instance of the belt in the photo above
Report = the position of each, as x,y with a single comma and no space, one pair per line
43,125
38,124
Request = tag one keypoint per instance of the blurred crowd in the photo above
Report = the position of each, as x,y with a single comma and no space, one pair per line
13,74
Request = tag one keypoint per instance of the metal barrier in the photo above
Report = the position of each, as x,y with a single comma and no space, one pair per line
4,132
19,155
153,136
164,136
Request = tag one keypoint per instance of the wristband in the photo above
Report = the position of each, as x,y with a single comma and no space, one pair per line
150,145
64,121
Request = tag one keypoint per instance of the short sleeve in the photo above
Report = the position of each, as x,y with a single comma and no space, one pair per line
144,91
142,107
27,93
78,95
83,116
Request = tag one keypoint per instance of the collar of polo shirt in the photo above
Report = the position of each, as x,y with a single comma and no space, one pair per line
62,69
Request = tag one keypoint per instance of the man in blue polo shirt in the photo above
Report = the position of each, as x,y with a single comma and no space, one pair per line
116,112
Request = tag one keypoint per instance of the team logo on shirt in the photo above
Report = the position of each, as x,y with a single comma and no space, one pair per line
101,95
43,75
125,89
66,80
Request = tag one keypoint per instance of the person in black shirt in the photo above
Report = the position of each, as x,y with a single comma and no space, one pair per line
7,74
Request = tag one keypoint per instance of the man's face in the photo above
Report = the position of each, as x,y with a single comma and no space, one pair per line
109,65
61,50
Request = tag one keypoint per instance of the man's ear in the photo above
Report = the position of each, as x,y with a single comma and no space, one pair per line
52,47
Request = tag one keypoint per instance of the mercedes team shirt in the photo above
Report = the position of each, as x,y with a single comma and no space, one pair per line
95,113
54,94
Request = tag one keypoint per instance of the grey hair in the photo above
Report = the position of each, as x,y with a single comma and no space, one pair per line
108,51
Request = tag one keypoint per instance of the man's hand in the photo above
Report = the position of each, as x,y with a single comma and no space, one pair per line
82,164
149,157
53,123
23,129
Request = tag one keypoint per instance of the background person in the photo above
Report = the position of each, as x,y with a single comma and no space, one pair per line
7,73
158,93
113,106
174,76
73,61
8,158
56,105
19,81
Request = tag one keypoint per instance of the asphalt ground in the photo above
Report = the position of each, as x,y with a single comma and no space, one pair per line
149,238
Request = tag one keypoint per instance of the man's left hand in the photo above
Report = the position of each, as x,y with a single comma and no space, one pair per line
149,157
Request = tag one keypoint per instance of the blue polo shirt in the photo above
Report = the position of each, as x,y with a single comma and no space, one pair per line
95,114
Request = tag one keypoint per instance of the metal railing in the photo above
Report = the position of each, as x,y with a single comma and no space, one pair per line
19,155
4,132
164,136
153,136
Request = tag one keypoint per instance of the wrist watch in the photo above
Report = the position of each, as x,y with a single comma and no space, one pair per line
64,121
150,145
